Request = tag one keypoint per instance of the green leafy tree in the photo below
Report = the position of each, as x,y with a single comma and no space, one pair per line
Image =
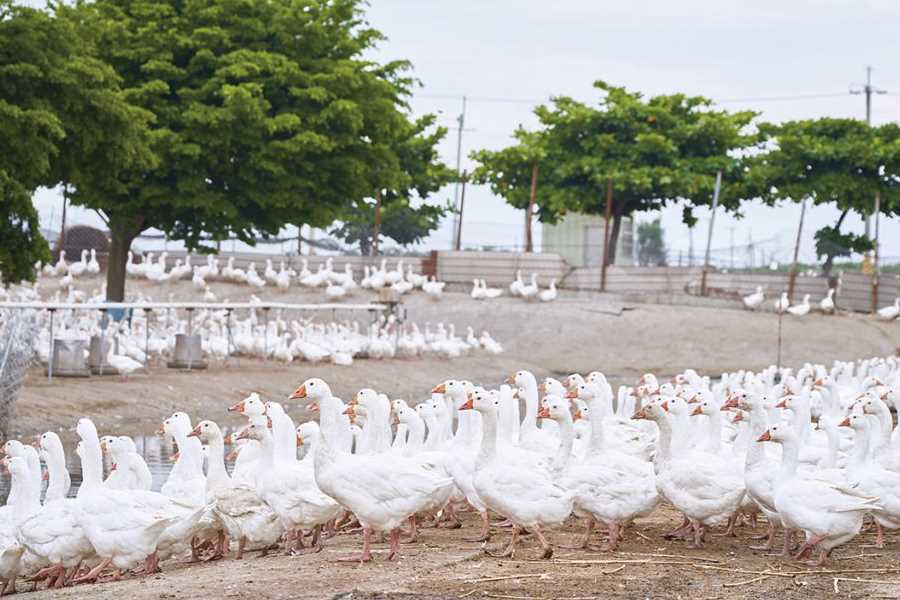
410,170
264,113
63,120
651,244
654,151
839,162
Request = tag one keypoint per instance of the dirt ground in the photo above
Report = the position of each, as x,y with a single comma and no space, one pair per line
575,333
443,565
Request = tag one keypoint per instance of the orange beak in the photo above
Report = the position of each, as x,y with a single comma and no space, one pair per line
195,432
577,416
396,420
299,441
440,388
269,422
732,402
544,413
228,440
697,411
572,394
469,403
693,399
45,476
765,437
640,414
781,403
161,431
300,392
511,380
239,407
845,422
103,447
665,406
738,417
818,381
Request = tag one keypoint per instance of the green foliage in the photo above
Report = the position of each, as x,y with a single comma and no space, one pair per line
21,242
62,119
399,222
410,170
654,150
843,162
830,242
651,244
508,173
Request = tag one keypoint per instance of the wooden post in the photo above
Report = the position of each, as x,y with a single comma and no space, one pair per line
299,240
376,230
529,212
792,276
609,201
712,221
875,274
462,204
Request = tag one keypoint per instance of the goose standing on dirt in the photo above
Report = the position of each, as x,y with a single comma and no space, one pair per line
754,300
782,303
802,309
826,304
889,312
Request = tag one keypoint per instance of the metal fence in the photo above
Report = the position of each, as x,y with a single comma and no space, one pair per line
17,332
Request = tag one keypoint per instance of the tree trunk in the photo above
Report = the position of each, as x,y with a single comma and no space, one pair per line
618,213
829,259
122,232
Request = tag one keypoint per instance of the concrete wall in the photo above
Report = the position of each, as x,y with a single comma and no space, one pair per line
242,259
499,268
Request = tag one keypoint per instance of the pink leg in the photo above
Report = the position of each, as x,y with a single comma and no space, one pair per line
394,554
879,538
510,550
366,555
485,529
545,544
92,575
585,538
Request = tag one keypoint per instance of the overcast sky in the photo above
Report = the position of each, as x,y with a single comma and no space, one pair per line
787,60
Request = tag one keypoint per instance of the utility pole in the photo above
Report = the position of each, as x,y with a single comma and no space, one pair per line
712,222
609,202
461,120
462,203
868,89
792,276
690,246
529,245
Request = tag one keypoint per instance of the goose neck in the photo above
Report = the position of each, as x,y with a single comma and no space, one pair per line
488,449
566,439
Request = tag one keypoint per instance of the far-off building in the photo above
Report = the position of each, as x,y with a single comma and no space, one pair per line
578,239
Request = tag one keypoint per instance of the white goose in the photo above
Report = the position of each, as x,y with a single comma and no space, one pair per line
528,497
829,513
704,487
244,515
754,300
382,494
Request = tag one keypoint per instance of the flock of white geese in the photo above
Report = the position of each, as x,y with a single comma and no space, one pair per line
813,451
250,333
826,305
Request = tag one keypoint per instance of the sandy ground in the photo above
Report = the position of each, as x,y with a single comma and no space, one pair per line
576,333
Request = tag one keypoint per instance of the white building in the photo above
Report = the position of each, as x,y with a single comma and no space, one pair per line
578,239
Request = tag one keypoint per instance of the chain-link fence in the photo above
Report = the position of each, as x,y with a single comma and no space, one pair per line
17,333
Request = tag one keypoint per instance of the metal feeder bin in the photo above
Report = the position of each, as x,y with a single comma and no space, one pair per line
68,359
188,352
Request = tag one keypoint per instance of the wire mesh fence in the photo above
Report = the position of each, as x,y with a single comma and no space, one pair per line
17,334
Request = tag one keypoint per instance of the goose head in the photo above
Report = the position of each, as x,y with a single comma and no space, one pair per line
307,432
314,389
479,400
207,431
778,433
705,407
655,410
453,389
572,380
555,408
